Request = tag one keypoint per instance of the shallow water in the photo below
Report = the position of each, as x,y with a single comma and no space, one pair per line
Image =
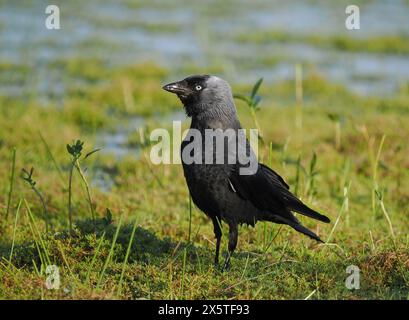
114,30
116,142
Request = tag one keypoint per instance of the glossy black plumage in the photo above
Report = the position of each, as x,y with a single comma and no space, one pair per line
220,190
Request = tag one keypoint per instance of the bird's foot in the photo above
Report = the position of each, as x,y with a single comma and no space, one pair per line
226,265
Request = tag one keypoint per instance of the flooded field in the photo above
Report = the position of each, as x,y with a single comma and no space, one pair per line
189,33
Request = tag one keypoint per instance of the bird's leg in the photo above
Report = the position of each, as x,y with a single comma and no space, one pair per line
233,234
218,235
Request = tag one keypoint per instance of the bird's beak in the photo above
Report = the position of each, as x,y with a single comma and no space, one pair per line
177,88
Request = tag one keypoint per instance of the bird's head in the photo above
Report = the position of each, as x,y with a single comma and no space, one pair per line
203,94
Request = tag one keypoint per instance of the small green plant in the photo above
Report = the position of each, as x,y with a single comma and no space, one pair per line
75,150
28,177
252,102
108,217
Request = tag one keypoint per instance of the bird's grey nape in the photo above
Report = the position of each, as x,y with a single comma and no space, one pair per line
214,102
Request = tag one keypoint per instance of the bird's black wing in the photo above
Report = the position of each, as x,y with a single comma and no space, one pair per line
274,175
269,192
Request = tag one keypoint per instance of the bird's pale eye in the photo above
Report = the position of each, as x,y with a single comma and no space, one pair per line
198,87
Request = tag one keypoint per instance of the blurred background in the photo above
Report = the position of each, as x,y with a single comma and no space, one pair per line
241,40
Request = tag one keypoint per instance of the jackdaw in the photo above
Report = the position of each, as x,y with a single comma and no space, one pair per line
220,189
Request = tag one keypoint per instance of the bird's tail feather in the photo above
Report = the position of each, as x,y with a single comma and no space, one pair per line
300,228
295,224
304,210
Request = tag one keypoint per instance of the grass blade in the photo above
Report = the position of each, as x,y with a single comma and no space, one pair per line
310,295
190,217
37,233
386,214
14,230
13,169
128,251
47,148
256,87
341,211
94,257
87,188
111,251
182,285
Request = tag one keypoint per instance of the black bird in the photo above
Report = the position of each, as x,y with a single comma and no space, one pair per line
219,189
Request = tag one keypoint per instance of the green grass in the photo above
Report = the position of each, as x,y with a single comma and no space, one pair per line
164,248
